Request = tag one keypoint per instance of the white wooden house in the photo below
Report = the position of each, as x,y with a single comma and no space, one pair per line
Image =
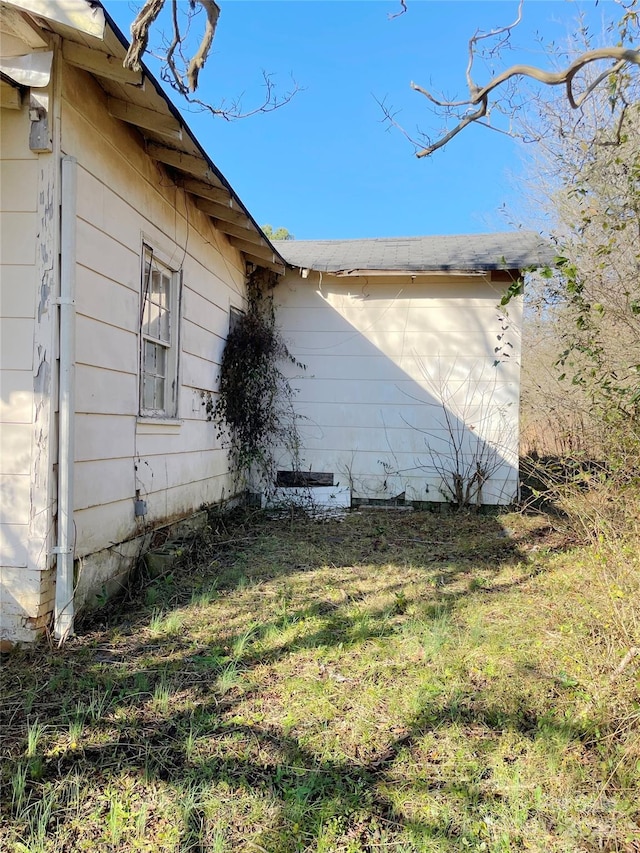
123,250
411,388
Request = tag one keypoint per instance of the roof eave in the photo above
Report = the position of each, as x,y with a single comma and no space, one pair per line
181,153
476,272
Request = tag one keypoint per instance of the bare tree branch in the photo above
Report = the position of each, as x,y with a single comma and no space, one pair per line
403,3
200,57
622,56
140,33
182,72
478,36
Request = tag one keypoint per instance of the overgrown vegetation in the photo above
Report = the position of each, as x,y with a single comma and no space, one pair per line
254,410
394,681
581,388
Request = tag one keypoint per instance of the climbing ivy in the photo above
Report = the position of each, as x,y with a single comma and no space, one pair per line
254,410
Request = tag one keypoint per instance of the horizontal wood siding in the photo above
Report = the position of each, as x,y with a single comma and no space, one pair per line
19,175
123,197
388,362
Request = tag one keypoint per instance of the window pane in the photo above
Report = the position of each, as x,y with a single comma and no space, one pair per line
159,394
161,361
149,358
158,366
163,330
147,392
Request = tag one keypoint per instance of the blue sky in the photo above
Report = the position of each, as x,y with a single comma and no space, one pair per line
324,166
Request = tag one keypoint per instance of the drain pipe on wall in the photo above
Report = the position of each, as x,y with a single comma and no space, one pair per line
64,605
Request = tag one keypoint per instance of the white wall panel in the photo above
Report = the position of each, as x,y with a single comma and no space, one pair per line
398,372
15,448
18,237
105,392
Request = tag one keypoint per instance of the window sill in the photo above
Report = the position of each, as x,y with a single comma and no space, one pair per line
154,425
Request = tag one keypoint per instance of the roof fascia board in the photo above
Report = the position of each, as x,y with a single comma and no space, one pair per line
79,15
406,272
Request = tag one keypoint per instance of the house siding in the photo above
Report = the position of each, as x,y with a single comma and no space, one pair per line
381,353
175,466
28,237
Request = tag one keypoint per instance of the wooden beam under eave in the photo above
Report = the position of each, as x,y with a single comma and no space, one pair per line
246,234
197,167
210,193
260,262
164,124
100,64
225,213
10,96
258,251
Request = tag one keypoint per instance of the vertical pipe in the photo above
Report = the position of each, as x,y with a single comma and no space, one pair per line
64,608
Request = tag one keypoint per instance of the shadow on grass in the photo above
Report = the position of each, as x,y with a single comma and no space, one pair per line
122,690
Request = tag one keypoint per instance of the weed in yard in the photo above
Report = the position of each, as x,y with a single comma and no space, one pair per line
228,679
115,821
164,624
76,728
34,733
18,788
141,820
241,643
38,816
217,842
203,598
161,696
97,704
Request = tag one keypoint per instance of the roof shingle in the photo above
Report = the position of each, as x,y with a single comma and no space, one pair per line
465,252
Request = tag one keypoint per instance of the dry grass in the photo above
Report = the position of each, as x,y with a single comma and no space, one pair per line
400,682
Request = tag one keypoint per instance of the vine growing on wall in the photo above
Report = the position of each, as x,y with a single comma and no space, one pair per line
254,410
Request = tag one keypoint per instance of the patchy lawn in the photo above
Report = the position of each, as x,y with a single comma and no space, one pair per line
394,681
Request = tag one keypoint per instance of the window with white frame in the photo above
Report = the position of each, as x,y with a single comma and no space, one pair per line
159,338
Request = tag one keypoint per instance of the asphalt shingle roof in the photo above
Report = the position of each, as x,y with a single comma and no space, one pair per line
509,250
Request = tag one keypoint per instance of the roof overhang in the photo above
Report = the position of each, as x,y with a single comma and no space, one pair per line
93,42
489,273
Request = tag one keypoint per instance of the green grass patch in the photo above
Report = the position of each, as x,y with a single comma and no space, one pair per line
402,682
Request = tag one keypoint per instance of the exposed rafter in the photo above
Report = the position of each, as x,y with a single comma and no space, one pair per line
164,124
188,163
261,262
224,212
245,234
259,251
100,64
210,193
